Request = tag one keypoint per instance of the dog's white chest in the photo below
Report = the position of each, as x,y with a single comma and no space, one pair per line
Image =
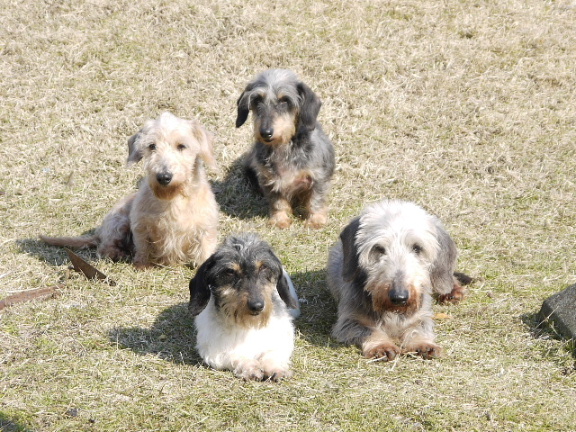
222,345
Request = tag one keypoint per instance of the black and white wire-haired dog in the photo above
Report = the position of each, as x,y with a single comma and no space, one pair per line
389,262
292,160
244,303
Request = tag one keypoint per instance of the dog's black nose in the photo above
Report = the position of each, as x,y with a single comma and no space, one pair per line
256,306
399,298
164,178
267,134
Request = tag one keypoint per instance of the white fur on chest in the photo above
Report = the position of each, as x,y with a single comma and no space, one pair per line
223,345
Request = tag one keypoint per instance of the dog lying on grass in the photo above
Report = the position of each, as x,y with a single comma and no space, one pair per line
383,272
244,303
173,217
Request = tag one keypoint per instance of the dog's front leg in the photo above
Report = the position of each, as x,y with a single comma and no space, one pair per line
141,249
273,368
379,346
420,340
280,210
316,208
208,243
374,342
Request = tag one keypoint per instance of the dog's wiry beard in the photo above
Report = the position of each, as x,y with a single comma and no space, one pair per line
284,126
381,302
233,307
168,192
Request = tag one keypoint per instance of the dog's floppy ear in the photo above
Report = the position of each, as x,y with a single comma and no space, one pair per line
199,288
286,290
243,106
309,108
205,140
135,148
137,141
349,249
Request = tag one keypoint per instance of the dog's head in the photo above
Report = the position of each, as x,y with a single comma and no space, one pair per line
246,280
173,149
282,106
390,251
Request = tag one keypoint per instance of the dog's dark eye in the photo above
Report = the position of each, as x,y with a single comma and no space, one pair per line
226,276
266,272
417,249
376,253
257,100
284,102
181,147
379,250
152,147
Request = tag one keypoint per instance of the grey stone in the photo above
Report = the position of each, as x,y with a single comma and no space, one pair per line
560,311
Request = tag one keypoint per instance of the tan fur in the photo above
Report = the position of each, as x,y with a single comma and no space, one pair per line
284,129
170,224
236,307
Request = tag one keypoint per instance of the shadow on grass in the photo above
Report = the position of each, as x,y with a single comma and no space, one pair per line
172,336
317,306
543,330
53,255
8,424
236,196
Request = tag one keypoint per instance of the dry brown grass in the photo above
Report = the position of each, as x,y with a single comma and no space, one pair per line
464,107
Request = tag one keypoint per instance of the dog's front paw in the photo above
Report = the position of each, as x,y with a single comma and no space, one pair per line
426,350
280,220
316,220
384,351
249,373
277,374
455,296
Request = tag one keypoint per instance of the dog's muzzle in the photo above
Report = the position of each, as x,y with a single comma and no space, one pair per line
255,307
267,134
399,295
164,178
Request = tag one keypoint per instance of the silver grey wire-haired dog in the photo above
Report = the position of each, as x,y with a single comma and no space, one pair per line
173,217
389,262
292,160
244,302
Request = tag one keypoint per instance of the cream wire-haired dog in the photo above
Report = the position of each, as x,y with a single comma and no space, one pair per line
173,217
383,272
244,303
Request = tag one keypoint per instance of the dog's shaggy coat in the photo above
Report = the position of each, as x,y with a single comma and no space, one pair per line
173,217
383,272
244,303
292,160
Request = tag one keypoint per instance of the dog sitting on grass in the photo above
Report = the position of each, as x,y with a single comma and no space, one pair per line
292,160
244,303
383,272
173,217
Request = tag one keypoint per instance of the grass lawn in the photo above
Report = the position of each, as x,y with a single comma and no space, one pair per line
467,108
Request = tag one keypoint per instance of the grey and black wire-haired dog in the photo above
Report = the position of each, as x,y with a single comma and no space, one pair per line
292,160
244,303
383,272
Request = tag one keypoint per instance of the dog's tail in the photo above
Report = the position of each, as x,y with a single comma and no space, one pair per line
464,279
71,242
